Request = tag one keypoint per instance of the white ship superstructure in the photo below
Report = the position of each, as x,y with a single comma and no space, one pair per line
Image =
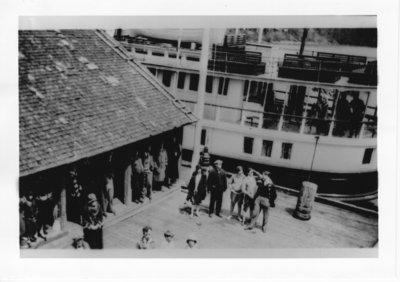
260,102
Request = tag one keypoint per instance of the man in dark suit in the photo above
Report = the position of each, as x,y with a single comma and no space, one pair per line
216,185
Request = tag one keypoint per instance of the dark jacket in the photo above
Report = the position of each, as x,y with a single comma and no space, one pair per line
201,190
217,180
267,191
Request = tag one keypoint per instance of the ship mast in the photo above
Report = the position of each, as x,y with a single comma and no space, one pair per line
205,45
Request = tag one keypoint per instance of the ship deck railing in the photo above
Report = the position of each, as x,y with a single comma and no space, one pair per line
328,67
280,121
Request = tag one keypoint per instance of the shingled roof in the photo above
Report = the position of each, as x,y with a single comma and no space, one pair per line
80,95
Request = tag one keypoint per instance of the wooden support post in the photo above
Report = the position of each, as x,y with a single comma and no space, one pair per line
63,204
127,185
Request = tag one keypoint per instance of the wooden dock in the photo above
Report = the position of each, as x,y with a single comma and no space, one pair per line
329,227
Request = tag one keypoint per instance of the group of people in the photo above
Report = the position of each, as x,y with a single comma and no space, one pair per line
153,170
254,193
37,214
90,187
144,171
349,114
147,242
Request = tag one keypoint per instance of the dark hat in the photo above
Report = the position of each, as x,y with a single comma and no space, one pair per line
192,237
168,234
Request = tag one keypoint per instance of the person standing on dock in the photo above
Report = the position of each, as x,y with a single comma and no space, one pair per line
236,186
265,197
161,163
174,154
197,189
137,178
205,159
146,242
249,190
148,167
217,185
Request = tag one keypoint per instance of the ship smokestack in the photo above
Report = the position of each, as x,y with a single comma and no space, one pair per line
303,41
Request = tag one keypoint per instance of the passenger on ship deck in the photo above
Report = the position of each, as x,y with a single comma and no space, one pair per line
236,186
265,197
357,109
319,112
342,116
249,190
217,185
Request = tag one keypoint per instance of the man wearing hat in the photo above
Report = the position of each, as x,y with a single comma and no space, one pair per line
191,242
265,197
217,185
169,240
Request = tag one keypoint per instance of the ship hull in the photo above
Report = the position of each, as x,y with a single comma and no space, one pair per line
328,182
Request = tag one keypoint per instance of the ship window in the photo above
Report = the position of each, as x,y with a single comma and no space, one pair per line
220,85
257,92
248,145
194,81
140,51
153,71
266,148
181,80
286,151
226,86
246,89
203,137
223,86
209,84
159,54
167,77
367,155
194,59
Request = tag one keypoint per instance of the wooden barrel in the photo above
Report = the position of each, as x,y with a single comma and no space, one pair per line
305,201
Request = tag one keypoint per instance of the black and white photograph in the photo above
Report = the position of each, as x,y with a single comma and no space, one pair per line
198,138
212,137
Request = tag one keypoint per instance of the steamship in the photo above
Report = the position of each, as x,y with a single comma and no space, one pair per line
261,100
